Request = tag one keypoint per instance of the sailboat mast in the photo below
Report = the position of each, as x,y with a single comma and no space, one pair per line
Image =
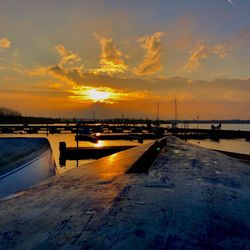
157,115
175,113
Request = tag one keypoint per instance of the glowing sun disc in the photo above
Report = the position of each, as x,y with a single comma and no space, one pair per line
97,95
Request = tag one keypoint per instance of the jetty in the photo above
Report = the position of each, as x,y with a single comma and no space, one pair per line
140,131
118,136
71,128
77,153
187,198
200,134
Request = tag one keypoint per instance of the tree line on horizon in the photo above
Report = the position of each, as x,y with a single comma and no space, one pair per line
9,112
8,115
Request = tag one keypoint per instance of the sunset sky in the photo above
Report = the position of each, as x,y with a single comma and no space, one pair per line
64,58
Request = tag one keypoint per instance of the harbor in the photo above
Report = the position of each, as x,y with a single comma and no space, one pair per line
124,125
99,131
98,184
102,205
107,138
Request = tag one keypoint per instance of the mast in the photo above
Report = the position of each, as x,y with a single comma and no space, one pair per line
175,113
157,115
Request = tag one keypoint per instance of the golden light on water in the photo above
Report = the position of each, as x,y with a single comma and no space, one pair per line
99,144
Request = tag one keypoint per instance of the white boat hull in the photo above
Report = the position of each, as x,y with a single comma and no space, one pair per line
28,174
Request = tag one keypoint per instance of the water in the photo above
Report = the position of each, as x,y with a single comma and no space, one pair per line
237,145
55,139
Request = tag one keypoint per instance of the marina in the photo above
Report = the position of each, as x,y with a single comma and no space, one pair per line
99,205
70,153
124,125
202,137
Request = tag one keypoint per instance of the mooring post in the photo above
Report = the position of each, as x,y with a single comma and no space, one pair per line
140,140
77,136
62,147
62,157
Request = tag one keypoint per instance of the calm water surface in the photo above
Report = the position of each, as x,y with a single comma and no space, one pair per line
235,145
238,145
55,139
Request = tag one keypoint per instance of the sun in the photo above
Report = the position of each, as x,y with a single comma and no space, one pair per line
98,95
102,94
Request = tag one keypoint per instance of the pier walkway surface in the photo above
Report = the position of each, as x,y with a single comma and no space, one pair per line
191,198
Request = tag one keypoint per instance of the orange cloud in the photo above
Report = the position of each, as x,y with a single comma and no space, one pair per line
152,60
235,96
70,73
67,56
39,71
5,43
111,58
203,51
72,77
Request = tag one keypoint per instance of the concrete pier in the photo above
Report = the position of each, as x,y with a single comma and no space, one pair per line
191,198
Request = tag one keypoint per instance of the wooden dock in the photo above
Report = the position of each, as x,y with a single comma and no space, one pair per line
69,128
216,135
118,136
79,153
122,132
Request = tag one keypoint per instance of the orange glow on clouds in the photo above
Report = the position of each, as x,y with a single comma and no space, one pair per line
103,94
98,96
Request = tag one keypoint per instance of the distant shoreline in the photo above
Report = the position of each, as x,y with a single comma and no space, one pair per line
43,120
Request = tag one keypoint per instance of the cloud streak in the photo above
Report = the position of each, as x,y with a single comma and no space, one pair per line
111,61
152,60
231,2
66,56
202,52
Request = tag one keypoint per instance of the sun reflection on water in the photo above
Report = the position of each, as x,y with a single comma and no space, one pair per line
99,144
